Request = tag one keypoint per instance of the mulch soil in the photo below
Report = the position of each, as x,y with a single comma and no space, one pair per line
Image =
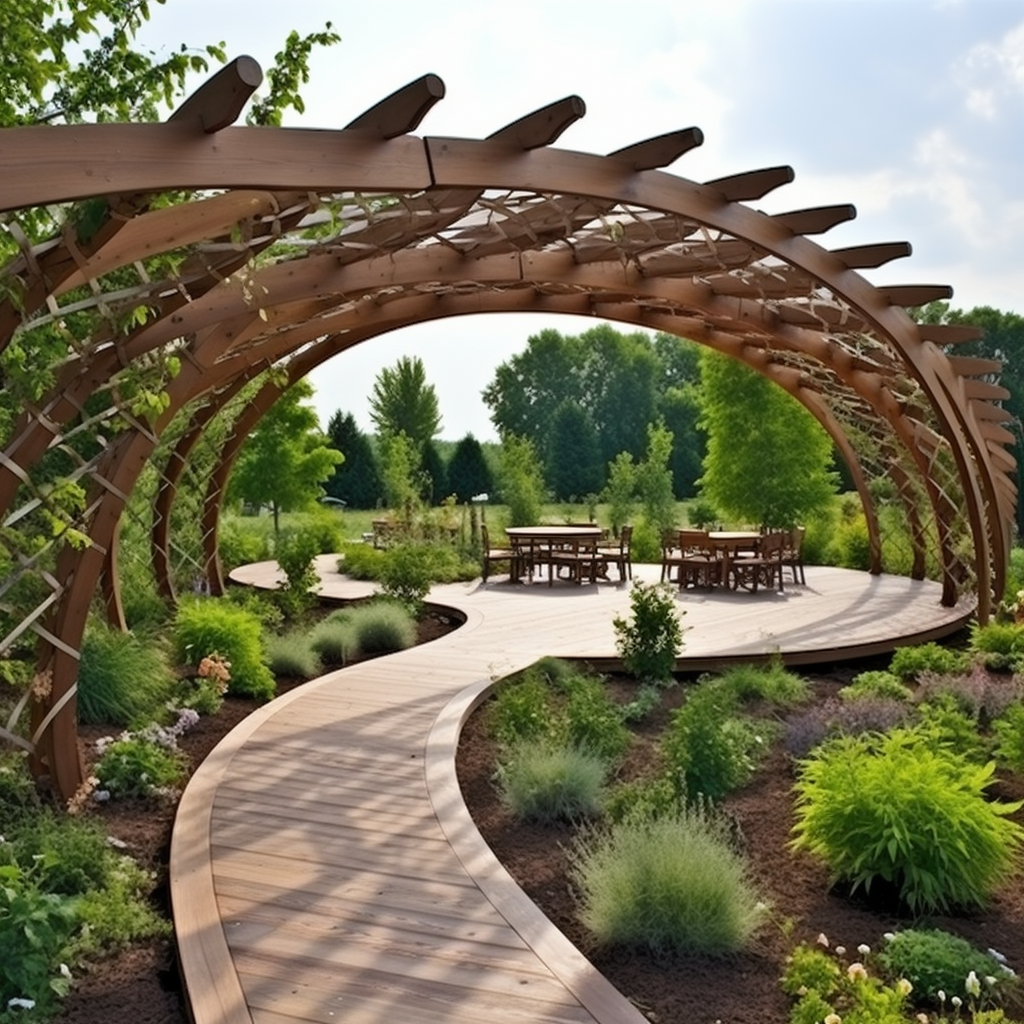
141,986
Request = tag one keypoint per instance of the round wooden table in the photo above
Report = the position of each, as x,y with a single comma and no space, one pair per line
534,543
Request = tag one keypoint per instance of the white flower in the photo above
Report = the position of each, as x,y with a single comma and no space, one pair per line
889,936
822,940
856,970
941,996
971,984
990,980
833,1018
863,949
65,971
957,1002
840,951
101,796
17,1003
997,956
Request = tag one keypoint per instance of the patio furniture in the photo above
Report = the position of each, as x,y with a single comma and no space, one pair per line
619,555
793,553
699,563
495,556
578,555
537,545
671,555
729,545
762,569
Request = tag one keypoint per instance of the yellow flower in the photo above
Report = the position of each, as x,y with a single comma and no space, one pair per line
833,1018
904,987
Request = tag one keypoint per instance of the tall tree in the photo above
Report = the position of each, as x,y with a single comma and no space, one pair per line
286,458
521,480
468,472
402,402
357,480
575,467
434,475
768,460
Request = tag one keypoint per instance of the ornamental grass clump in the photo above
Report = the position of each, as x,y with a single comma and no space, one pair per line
545,781
334,640
671,885
293,655
380,627
771,683
898,809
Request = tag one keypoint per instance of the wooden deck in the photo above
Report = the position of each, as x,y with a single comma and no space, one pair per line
324,867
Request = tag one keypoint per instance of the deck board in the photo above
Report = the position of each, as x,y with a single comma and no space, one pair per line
324,867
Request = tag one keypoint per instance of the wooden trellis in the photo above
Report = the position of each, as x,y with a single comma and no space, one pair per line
283,247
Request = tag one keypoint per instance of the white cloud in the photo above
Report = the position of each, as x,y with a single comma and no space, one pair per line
992,72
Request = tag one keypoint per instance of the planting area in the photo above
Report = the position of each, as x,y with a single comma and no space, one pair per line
736,987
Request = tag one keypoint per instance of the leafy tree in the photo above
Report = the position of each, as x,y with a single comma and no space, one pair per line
286,458
620,491
434,474
768,460
654,480
575,467
356,481
680,412
468,472
402,402
400,472
522,480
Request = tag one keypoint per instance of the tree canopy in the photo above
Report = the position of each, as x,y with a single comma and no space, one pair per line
356,481
402,402
768,461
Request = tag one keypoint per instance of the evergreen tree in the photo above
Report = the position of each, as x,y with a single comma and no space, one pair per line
575,466
434,473
357,480
468,473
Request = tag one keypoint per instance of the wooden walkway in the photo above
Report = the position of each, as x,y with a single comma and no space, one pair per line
324,867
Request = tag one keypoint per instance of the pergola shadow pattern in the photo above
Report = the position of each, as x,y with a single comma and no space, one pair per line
215,265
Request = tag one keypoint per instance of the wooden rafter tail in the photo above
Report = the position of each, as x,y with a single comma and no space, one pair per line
912,295
983,389
995,434
751,185
816,220
950,334
660,151
542,127
974,366
402,111
220,100
869,257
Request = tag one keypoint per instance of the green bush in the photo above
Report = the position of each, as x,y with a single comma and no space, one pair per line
238,546
1008,729
671,885
908,663
294,552
522,710
545,781
19,800
333,639
70,856
136,766
850,545
896,809
708,749
650,640
646,700
293,655
771,683
1001,644
593,722
361,561
884,685
406,573
207,626
382,626
642,800
123,679
933,960
947,726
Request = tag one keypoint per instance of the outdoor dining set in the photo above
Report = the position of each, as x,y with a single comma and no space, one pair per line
583,553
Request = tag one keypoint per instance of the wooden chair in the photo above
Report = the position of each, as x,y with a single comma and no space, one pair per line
619,556
762,569
496,556
671,555
793,553
580,557
699,564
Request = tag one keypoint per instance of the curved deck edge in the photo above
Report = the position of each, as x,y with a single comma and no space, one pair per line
594,991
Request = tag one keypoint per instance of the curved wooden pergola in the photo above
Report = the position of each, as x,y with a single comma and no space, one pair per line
283,247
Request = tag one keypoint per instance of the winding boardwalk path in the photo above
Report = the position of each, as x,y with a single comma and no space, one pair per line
324,867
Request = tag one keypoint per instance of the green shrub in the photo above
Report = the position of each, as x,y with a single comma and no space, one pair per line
334,640
701,514
239,546
850,545
771,683
650,640
71,856
544,781
908,663
204,696
207,626
380,627
708,749
1009,736
19,801
593,722
646,700
294,552
522,710
406,573
894,808
809,969
34,930
1001,644
293,655
361,561
123,679
879,684
559,673
136,766
933,960
642,800
670,885
944,723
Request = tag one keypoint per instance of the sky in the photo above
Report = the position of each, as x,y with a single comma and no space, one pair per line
911,110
